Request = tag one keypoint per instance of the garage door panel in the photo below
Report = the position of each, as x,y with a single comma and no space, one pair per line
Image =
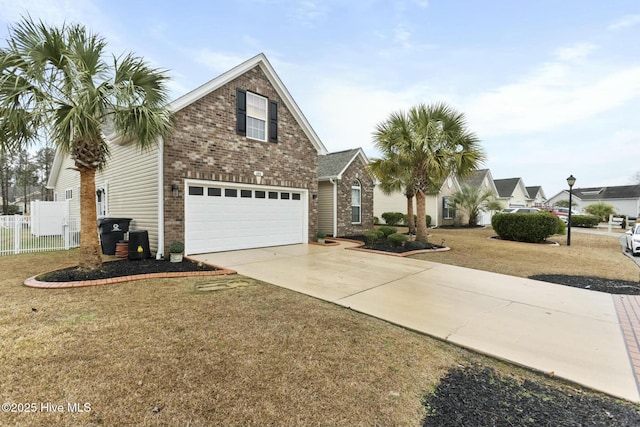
219,223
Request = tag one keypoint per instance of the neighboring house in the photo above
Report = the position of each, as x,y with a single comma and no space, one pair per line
512,193
239,171
437,203
345,193
537,196
625,198
483,180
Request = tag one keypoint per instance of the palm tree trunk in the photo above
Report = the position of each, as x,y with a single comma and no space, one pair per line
410,218
421,211
90,253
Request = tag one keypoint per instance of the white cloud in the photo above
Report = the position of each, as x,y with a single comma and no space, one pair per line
577,51
307,13
625,22
219,61
554,95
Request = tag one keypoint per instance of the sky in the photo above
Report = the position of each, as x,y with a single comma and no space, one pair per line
550,87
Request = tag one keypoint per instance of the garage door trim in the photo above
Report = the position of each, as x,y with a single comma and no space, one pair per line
240,186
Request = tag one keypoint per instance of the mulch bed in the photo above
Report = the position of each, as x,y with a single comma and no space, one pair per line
600,284
123,268
478,396
386,246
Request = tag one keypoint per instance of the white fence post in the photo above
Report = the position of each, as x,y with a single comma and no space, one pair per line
65,233
17,233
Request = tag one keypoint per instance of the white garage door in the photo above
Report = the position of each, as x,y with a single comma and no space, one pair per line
224,217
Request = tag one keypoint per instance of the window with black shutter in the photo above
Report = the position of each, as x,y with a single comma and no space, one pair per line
256,116
241,111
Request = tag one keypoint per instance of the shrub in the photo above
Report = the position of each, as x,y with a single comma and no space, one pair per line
601,210
376,220
321,234
393,218
587,221
176,247
373,235
397,239
525,227
562,227
386,230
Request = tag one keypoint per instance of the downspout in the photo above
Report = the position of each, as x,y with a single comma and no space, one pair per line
335,207
438,201
160,252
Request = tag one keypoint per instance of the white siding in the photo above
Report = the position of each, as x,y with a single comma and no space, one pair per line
326,208
395,202
131,179
69,179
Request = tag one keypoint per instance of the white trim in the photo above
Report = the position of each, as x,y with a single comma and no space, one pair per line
335,207
359,205
304,198
160,179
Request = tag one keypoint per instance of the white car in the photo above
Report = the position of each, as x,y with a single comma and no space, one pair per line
633,240
520,210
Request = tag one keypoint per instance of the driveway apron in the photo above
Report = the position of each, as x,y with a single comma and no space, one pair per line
572,333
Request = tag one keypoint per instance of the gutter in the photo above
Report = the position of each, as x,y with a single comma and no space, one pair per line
160,251
335,206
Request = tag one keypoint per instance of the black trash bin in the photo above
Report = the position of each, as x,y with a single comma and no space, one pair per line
112,230
139,244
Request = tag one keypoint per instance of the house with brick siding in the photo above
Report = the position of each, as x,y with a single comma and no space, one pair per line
239,171
345,193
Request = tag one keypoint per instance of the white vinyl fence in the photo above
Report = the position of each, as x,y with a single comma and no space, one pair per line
19,235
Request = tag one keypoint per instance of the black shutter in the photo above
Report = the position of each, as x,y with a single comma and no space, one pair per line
273,121
241,111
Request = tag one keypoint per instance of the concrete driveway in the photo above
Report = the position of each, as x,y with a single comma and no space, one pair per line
572,332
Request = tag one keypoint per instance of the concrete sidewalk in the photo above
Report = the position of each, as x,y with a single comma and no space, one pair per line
572,332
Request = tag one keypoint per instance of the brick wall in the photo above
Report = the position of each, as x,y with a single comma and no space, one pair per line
205,145
345,227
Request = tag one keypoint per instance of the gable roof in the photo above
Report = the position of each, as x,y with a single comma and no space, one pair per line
507,186
261,61
616,192
478,177
535,190
333,165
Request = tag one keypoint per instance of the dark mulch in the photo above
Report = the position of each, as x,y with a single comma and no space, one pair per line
386,246
592,283
123,268
478,396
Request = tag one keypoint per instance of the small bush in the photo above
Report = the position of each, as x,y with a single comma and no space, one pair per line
393,218
525,227
587,221
176,247
601,210
372,236
321,234
376,220
397,239
562,227
386,230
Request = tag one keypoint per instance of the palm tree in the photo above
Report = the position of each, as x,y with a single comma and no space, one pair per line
55,83
430,142
472,201
394,178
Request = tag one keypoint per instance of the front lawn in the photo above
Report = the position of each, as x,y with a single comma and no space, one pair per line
588,255
177,352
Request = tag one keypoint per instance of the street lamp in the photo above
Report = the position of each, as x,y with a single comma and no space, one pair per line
571,180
